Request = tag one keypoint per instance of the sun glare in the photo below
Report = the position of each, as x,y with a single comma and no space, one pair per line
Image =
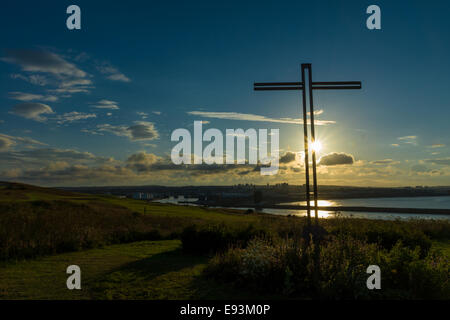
316,146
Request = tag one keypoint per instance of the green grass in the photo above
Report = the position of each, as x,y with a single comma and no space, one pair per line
139,270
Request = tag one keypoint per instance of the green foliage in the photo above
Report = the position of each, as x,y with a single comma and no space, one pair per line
210,239
409,276
387,233
289,268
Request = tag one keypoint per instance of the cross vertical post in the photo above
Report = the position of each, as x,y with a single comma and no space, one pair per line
305,144
313,138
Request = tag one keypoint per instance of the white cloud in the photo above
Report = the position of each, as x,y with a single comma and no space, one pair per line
113,73
384,162
316,112
118,77
22,96
253,117
437,145
107,104
408,140
89,131
143,115
74,116
35,79
7,141
118,130
441,161
73,85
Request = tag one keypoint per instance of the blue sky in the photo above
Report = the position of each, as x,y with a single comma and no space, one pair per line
118,87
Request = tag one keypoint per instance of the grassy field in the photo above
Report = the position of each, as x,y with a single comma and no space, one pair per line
139,270
104,236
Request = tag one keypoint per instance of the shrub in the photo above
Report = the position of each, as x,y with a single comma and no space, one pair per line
408,276
211,239
288,267
387,233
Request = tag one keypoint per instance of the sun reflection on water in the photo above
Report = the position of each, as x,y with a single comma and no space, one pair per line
320,203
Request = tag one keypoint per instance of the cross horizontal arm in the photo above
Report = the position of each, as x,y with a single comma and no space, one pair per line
278,88
265,86
258,84
337,83
333,85
330,85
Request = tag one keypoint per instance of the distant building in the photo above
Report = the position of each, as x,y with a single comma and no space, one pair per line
142,196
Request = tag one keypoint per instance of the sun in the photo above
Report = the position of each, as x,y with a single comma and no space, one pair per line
316,146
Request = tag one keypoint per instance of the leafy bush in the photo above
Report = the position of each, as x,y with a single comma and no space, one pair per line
387,233
408,276
288,267
210,239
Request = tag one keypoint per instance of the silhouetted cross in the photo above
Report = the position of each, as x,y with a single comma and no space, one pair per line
310,86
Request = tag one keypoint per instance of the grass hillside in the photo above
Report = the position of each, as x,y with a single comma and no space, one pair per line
10,191
131,249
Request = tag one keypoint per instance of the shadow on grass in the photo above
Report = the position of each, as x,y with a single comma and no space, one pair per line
161,263
165,275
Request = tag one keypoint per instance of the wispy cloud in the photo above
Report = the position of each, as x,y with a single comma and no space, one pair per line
143,115
7,141
112,73
438,145
253,117
48,68
22,96
35,79
441,161
316,112
107,104
408,140
384,162
74,116
140,130
32,110
42,61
